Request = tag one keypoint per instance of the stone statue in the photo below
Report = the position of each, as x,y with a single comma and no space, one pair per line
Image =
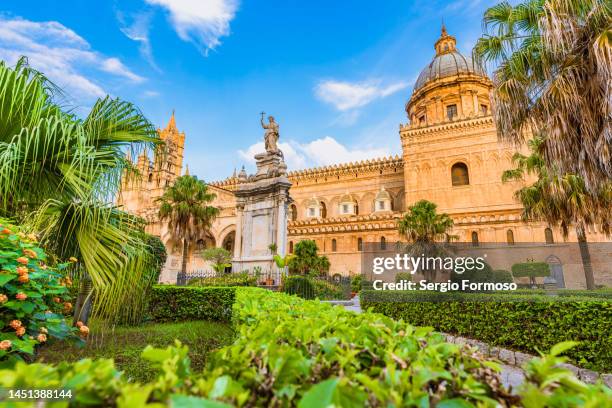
271,135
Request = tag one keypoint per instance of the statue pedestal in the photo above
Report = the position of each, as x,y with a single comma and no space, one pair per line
261,215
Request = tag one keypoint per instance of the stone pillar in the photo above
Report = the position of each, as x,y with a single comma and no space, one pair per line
262,214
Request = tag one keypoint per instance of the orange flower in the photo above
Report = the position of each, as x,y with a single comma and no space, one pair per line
23,260
3,298
56,299
15,324
30,254
5,344
41,337
79,324
21,296
67,306
22,270
23,278
84,330
6,231
20,331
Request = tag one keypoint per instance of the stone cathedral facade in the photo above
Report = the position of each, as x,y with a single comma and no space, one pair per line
450,156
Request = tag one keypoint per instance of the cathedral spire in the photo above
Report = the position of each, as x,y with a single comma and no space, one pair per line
186,168
172,123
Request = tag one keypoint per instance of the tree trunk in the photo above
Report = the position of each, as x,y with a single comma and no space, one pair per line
183,275
82,309
586,256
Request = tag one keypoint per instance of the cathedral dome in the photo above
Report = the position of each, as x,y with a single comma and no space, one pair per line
447,62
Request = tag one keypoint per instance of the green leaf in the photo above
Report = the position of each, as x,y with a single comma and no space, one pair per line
562,347
184,401
321,395
454,403
5,278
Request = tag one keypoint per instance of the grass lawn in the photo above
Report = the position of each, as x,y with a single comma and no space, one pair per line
124,345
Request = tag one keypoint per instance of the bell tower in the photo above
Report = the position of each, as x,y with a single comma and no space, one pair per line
168,161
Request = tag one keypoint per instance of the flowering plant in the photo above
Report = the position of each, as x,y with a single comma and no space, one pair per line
33,295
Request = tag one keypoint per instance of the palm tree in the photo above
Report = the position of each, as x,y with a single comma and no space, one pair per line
553,76
561,200
60,174
185,206
423,227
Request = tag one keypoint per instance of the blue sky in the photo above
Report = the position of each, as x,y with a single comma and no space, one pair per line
335,74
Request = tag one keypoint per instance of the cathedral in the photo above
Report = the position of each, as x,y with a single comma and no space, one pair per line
451,156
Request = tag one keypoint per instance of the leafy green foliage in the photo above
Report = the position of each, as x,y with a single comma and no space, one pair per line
528,322
306,260
125,344
221,258
422,223
293,352
299,285
179,303
502,276
226,279
403,276
158,250
356,283
33,296
532,270
61,173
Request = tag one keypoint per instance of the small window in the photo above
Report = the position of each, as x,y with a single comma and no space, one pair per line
451,111
474,238
383,243
421,119
359,244
150,177
510,237
323,211
460,175
293,211
548,235
311,212
334,245
484,109
290,247
381,205
345,209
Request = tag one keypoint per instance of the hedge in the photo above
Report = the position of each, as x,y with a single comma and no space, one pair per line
225,279
180,303
293,352
527,322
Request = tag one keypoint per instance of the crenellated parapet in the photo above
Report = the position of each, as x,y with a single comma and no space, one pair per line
361,168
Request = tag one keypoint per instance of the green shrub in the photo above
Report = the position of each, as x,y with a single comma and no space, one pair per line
33,296
158,249
356,283
179,303
228,279
299,285
292,352
325,290
531,270
502,276
306,260
407,276
523,322
221,258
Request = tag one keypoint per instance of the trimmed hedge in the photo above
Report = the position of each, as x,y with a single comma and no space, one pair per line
291,352
528,322
180,303
226,279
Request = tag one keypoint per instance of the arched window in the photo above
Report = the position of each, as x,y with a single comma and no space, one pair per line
359,244
548,235
510,237
460,175
290,247
383,243
200,245
150,177
293,211
323,210
474,238
334,245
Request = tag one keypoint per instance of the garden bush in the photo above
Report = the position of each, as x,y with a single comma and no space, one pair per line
33,296
528,322
292,352
356,283
406,276
226,279
299,285
180,303
325,290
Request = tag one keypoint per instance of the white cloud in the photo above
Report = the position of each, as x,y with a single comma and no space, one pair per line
350,95
320,152
60,53
139,31
202,22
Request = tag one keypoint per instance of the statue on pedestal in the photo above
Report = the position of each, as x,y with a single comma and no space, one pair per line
271,135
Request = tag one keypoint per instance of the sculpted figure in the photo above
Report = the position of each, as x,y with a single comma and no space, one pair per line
271,135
